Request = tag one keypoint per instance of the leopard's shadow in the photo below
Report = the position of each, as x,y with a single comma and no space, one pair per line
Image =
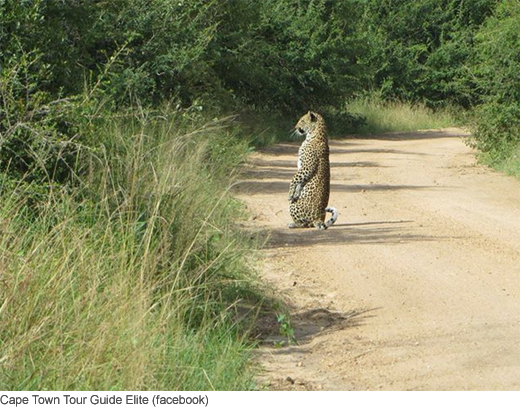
375,232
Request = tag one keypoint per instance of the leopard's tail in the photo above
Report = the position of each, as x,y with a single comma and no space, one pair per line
334,217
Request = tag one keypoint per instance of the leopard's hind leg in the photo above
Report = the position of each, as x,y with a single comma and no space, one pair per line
298,217
320,225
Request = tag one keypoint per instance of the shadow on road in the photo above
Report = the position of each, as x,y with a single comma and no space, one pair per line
418,135
383,232
291,149
277,187
310,324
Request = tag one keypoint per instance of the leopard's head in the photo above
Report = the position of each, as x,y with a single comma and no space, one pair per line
308,123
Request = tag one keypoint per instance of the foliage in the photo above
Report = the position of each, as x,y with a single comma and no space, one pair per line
286,328
40,136
66,63
290,55
136,48
131,280
270,54
496,72
420,48
394,116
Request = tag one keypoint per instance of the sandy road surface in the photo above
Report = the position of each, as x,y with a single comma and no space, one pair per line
416,286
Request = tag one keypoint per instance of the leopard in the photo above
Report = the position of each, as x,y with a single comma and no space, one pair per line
310,187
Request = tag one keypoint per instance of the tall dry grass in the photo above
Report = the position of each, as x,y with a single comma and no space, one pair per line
393,116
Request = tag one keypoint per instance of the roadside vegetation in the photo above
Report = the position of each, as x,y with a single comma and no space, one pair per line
395,116
130,276
123,124
454,55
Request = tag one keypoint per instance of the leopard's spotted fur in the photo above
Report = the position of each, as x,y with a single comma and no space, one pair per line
310,186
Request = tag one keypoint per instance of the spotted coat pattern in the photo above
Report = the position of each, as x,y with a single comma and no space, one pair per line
310,186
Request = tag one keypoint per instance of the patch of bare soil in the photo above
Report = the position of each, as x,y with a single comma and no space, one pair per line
416,286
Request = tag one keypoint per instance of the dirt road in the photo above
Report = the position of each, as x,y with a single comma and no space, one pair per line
416,286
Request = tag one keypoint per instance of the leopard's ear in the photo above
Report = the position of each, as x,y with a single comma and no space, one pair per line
313,116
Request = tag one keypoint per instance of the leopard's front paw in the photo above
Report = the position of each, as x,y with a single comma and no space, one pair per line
295,194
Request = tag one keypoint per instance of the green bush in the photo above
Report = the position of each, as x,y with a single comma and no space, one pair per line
64,64
272,54
497,128
134,48
496,72
419,49
40,135
288,55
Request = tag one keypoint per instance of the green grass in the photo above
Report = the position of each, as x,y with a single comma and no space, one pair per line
132,279
266,128
386,116
507,162
510,166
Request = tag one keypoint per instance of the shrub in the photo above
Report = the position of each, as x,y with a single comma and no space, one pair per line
40,135
496,72
420,49
288,55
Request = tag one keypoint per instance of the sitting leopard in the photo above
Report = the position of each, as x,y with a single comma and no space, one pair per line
310,186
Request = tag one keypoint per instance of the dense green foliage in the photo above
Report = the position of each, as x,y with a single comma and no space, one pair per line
496,72
269,54
290,55
421,48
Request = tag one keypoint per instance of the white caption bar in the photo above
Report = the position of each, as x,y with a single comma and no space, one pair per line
253,399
